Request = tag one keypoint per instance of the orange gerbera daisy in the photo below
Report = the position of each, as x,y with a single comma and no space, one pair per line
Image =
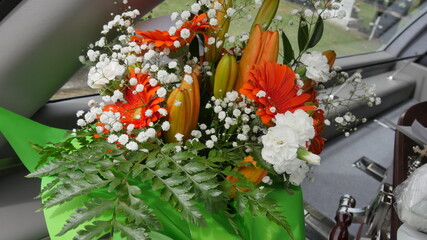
273,88
162,39
141,108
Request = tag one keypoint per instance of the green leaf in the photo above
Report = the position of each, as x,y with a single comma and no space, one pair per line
137,169
71,191
240,203
82,215
302,35
204,176
168,148
130,232
94,231
194,167
175,180
288,52
134,190
195,145
140,215
317,33
49,169
184,155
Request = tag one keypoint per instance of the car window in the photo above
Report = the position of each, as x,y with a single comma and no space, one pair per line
362,26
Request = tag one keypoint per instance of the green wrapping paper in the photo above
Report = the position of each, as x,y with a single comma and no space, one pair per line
20,132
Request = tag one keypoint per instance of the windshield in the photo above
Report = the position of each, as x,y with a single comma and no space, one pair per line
362,26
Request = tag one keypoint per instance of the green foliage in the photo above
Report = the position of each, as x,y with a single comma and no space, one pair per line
115,179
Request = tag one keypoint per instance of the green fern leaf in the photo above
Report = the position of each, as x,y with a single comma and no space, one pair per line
92,210
131,233
49,169
94,231
139,214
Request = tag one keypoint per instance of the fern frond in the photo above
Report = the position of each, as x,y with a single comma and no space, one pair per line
139,214
92,209
131,233
94,231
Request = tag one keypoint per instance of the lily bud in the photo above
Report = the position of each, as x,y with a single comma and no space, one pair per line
225,75
193,90
179,115
261,47
307,156
266,13
220,31
331,56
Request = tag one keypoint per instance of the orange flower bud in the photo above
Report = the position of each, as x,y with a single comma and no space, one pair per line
225,75
261,47
331,56
179,115
194,93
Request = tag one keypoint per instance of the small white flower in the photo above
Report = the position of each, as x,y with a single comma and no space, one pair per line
339,119
261,94
177,44
221,115
188,79
327,122
230,12
185,15
188,69
133,81
139,88
210,143
81,123
162,111
112,138
153,82
196,133
117,126
237,112
211,40
174,15
217,109
203,126
123,139
213,21
161,92
172,64
185,33
195,7
172,31
148,113
179,137
80,113
133,146
211,13
165,126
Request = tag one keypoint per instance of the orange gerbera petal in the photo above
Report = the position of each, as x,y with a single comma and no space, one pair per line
135,109
162,39
273,88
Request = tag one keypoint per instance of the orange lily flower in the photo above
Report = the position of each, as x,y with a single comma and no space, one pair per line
261,47
272,87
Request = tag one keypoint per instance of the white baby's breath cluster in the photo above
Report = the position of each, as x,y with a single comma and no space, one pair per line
345,91
233,123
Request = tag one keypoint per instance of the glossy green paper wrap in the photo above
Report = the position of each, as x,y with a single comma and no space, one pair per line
20,132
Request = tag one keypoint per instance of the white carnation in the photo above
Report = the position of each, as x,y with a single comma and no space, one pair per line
299,121
317,66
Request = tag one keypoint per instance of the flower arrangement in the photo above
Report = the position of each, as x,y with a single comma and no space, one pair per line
207,131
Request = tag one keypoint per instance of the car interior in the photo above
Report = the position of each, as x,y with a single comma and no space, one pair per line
41,78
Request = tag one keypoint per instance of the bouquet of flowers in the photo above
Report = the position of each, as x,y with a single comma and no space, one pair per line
194,120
